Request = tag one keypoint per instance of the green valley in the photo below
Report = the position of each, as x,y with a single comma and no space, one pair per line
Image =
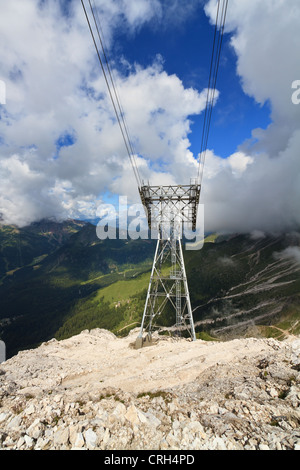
58,279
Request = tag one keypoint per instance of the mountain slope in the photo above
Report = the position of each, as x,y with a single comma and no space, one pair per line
21,247
239,285
37,299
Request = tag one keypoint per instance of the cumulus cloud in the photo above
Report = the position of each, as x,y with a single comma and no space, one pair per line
61,147
257,235
290,253
265,196
226,261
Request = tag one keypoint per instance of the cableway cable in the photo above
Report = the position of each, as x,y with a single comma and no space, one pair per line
212,82
122,113
112,88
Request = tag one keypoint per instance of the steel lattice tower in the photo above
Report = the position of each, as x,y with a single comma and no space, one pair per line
168,208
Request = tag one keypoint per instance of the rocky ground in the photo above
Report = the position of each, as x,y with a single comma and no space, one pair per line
95,391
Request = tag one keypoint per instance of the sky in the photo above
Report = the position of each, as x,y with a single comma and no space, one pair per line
61,150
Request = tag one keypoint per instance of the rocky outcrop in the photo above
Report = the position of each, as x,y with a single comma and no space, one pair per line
95,391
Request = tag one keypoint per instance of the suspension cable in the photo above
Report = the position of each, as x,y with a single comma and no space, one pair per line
110,71
212,82
112,89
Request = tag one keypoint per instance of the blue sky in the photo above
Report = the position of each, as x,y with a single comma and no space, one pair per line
186,52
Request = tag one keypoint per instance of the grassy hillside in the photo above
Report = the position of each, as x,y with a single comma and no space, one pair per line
37,299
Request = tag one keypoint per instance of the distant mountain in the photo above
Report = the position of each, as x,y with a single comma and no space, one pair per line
21,246
58,279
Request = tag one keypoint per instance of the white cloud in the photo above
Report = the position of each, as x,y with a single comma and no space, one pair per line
257,235
291,253
265,196
239,162
54,87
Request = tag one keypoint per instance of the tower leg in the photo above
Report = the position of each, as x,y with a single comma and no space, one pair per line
187,295
149,290
168,290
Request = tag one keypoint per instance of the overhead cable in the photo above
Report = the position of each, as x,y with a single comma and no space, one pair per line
212,82
108,76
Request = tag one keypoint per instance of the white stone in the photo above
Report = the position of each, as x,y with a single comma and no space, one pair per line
91,439
172,441
263,447
120,409
218,444
142,416
3,417
42,443
73,431
20,442
15,422
273,393
79,440
28,441
152,420
29,410
132,415
61,437
106,437
214,409
34,431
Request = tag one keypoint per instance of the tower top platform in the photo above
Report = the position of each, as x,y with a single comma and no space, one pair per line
171,203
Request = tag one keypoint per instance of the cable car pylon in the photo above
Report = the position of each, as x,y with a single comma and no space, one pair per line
169,208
